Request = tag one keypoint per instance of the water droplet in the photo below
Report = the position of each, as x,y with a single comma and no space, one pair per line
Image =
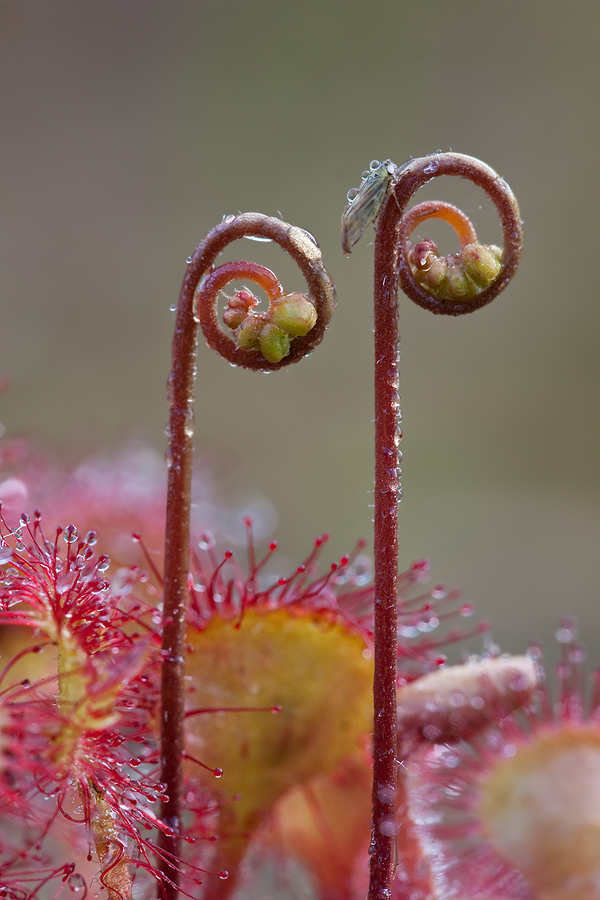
189,420
103,563
387,826
451,760
351,194
228,219
207,541
361,571
385,793
431,167
259,238
577,654
71,534
567,631
76,883
91,538
535,651
310,236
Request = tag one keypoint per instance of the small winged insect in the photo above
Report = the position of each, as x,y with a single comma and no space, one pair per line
365,202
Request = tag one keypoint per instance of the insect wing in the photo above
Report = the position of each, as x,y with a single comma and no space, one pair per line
365,206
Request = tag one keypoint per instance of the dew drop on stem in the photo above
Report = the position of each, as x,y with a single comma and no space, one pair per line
76,883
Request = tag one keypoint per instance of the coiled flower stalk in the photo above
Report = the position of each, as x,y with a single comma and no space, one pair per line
267,347
444,285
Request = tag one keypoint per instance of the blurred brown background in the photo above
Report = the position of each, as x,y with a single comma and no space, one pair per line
129,127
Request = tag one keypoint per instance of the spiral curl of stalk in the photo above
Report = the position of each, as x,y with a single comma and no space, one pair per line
412,176
395,188
304,250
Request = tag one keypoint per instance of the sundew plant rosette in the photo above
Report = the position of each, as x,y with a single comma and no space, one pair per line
167,724
511,811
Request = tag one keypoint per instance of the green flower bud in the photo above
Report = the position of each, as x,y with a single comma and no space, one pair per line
459,285
434,274
274,343
294,314
249,331
481,263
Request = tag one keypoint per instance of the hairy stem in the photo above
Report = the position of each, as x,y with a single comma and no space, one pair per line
387,488
177,564
392,268
307,255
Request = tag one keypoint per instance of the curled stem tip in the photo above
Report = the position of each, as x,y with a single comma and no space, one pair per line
450,285
294,324
292,327
472,278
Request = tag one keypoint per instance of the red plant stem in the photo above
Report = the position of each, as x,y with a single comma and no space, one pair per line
446,212
177,566
307,255
387,486
391,268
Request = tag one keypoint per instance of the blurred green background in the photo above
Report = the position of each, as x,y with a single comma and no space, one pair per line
130,127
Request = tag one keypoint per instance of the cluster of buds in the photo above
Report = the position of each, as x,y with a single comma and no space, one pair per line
271,332
459,276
